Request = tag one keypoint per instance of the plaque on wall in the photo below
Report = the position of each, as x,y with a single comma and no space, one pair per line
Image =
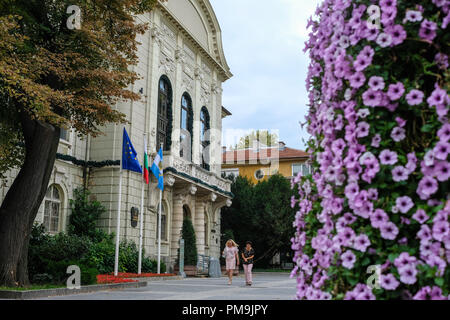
134,216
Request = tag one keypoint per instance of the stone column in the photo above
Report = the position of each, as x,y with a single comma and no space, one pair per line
177,224
199,225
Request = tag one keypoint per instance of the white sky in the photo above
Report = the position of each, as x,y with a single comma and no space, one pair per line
263,42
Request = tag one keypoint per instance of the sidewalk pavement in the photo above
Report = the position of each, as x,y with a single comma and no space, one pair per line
266,286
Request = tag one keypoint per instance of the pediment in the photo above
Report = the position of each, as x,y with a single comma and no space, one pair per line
199,19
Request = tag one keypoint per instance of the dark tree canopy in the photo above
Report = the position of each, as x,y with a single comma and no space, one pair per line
261,213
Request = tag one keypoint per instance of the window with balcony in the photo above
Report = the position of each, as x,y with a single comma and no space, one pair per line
186,127
204,138
164,125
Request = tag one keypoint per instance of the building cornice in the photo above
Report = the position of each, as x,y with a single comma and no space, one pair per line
224,70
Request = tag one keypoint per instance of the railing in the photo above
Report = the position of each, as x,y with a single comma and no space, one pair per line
203,263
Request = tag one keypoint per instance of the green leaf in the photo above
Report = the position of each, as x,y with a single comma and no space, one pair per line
366,261
427,128
439,281
392,257
352,280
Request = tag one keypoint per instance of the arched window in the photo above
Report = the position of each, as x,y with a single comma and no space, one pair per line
204,138
186,127
52,209
163,224
164,126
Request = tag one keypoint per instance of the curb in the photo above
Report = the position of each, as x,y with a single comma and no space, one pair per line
145,279
242,274
33,294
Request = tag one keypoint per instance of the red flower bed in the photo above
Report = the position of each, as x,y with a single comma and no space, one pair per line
142,275
124,277
106,278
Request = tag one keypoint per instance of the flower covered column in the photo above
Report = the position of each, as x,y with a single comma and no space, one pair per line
377,203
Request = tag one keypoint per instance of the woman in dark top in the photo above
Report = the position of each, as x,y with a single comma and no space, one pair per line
248,254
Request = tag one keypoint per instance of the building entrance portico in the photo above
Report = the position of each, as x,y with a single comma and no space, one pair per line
193,199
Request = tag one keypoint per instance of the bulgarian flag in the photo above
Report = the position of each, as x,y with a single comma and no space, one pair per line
146,172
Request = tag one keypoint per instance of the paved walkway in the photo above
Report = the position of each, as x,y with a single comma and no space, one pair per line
266,286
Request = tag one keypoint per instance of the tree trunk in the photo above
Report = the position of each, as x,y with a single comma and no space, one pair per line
271,250
21,204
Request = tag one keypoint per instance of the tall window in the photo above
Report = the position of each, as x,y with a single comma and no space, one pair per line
163,224
52,209
164,126
204,138
186,127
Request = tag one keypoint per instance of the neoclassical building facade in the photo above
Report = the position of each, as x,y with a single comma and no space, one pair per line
182,67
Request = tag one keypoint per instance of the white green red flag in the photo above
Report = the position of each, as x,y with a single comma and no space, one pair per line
146,170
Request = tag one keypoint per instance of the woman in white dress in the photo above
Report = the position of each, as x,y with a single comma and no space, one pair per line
230,253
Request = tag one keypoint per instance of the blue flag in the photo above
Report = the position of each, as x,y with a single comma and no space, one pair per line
157,169
129,155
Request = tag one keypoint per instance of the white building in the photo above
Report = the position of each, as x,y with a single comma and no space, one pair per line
182,66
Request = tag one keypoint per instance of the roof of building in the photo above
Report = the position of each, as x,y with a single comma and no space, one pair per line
281,153
225,112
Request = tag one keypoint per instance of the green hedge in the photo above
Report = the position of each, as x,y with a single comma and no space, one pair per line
49,256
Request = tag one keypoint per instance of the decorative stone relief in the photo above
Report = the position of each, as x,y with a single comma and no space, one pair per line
182,166
166,64
215,88
205,97
206,69
170,181
187,83
156,34
199,173
168,33
198,73
192,189
189,53
180,56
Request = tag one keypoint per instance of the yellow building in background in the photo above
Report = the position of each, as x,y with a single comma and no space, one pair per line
260,162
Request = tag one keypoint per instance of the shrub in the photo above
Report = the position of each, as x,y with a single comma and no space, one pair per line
380,144
49,257
40,278
128,256
88,275
84,216
190,243
101,254
52,255
147,265
38,239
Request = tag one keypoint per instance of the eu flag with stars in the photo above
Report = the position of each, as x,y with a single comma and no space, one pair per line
129,155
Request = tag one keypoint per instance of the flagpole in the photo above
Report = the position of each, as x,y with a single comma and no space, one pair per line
116,258
159,228
142,211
